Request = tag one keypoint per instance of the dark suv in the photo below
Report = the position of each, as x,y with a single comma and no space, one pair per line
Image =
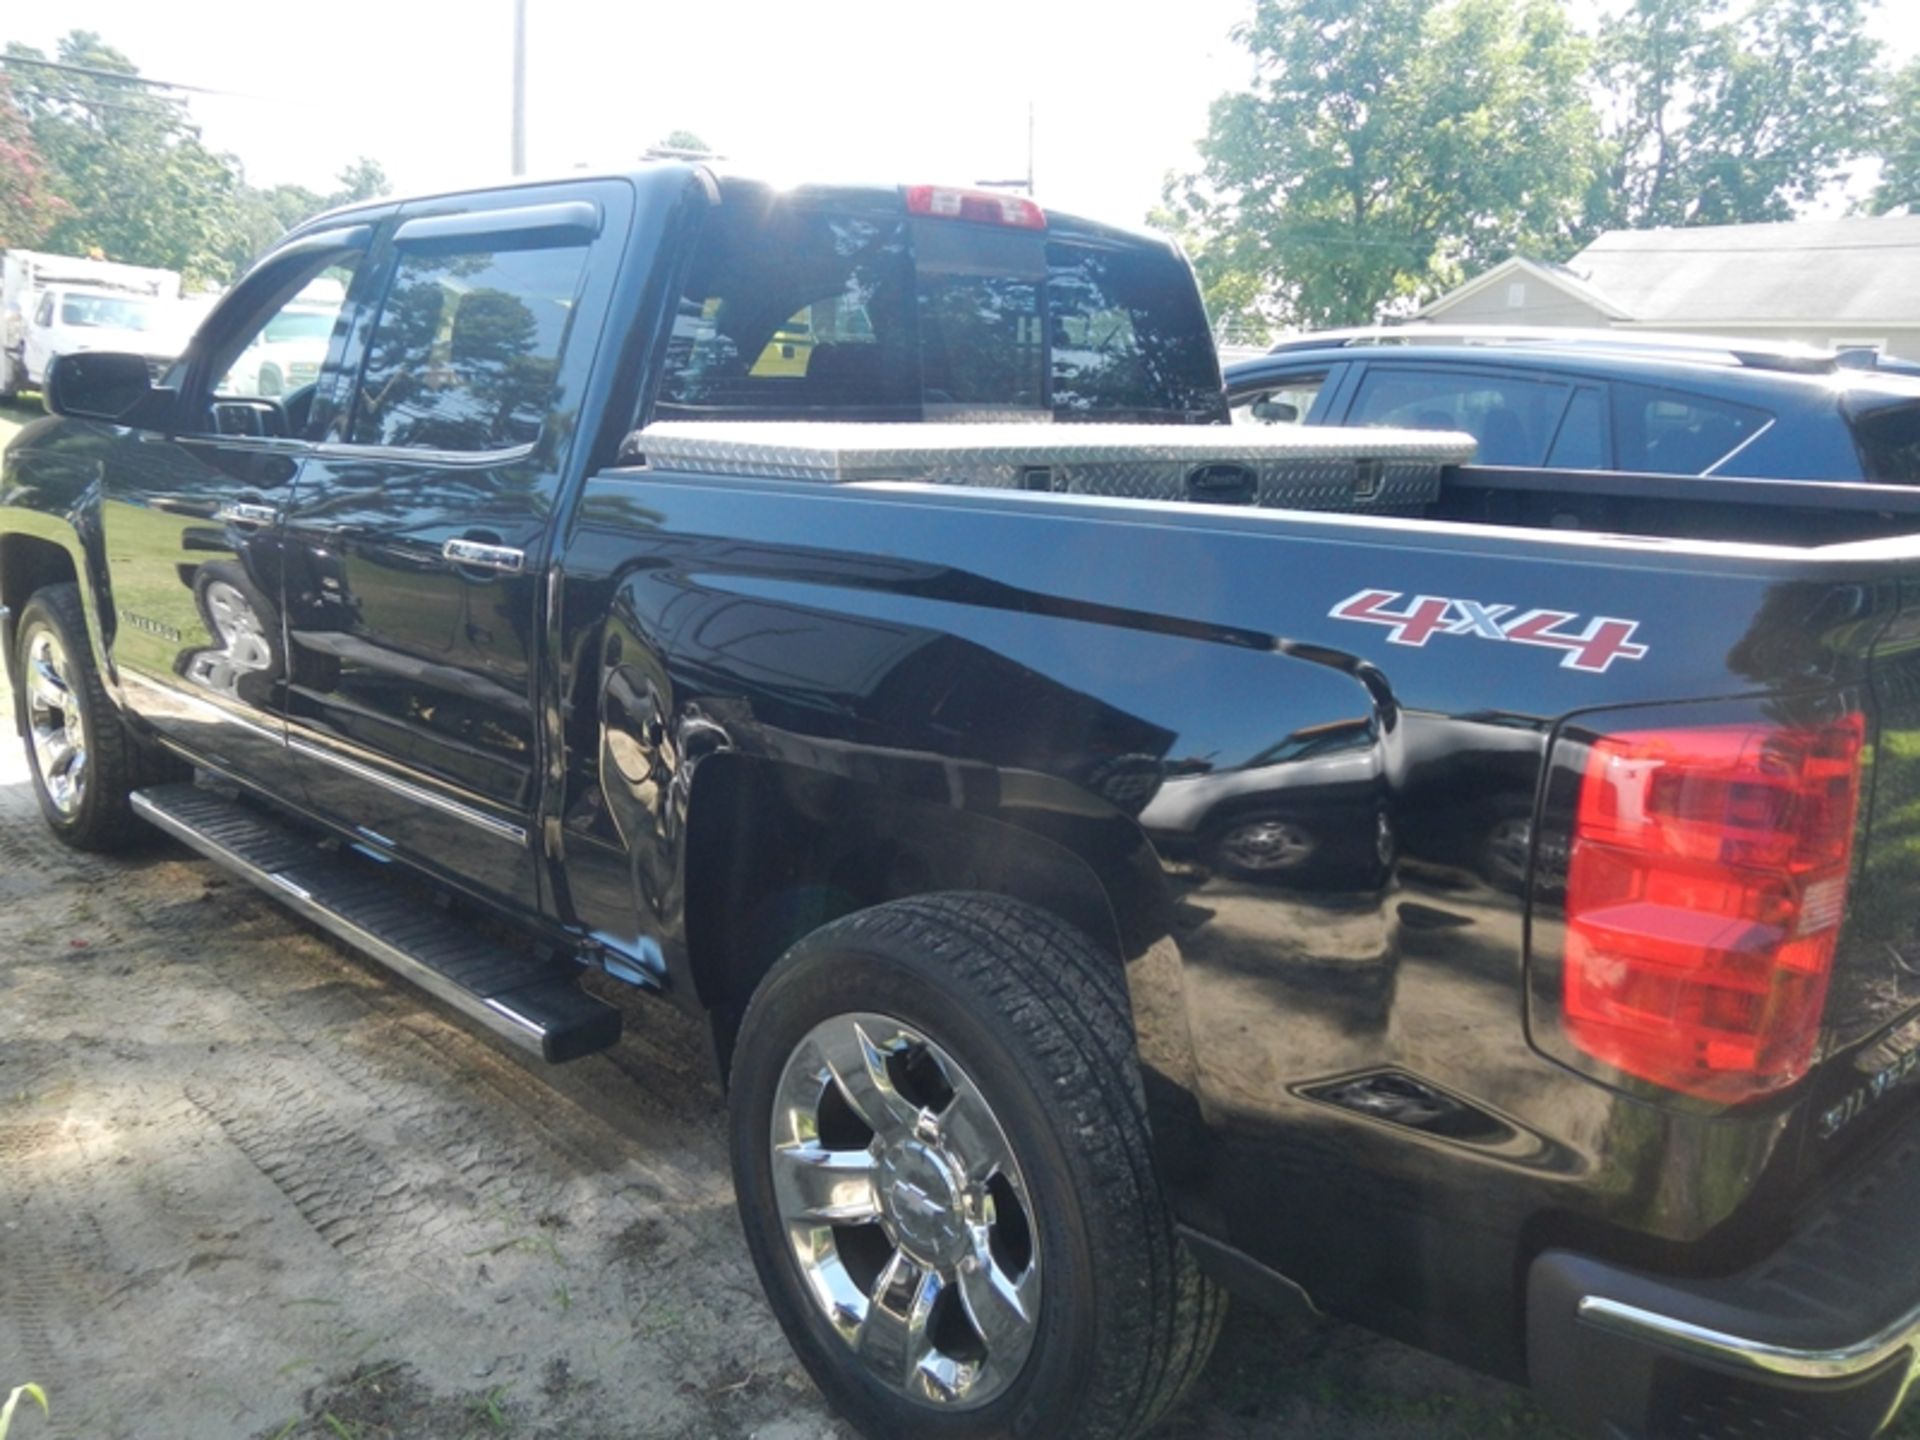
1600,400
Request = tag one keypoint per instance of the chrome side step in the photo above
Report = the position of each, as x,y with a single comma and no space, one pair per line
535,1003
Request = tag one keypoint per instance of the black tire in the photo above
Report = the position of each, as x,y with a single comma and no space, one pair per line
102,820
1036,1015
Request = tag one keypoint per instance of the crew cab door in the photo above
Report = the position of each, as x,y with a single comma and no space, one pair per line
417,549
190,517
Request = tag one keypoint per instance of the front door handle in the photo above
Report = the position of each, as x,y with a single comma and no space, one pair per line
478,554
241,513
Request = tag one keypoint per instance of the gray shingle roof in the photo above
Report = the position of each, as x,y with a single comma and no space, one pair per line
1864,270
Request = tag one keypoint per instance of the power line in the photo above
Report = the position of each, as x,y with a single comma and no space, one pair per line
177,116
121,77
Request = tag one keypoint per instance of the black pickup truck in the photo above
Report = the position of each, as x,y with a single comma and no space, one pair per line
1478,903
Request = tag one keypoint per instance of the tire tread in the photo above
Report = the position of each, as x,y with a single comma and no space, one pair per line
1065,999
106,822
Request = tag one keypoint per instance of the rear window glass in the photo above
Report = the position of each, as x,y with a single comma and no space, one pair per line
808,309
1581,443
1890,445
1512,419
1663,432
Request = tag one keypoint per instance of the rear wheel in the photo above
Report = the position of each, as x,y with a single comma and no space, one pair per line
81,758
1264,847
943,1167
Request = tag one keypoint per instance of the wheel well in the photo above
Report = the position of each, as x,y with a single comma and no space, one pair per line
775,851
27,564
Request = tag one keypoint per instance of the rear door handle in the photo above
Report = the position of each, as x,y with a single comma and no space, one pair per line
478,554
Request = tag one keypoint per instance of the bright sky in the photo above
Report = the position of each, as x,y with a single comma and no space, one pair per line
890,90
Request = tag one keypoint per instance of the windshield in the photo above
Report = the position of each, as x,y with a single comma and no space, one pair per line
115,312
798,310
298,325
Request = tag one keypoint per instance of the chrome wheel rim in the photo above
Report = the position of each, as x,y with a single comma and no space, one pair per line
1267,845
237,627
906,1211
54,723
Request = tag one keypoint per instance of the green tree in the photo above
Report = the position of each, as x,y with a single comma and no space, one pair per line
28,205
1386,149
258,217
682,140
364,179
1899,187
1721,117
137,182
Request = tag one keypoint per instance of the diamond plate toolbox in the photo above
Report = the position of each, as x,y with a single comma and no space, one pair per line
1369,471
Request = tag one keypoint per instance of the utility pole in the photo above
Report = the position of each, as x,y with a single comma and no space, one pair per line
1025,185
519,87
1029,145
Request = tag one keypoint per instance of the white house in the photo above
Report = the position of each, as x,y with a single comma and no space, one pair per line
1838,283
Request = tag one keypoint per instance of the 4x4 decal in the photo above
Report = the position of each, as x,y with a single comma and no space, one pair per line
1590,648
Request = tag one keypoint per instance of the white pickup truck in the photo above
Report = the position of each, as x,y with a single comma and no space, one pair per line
60,304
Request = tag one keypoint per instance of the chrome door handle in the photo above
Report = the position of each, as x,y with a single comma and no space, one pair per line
486,557
240,513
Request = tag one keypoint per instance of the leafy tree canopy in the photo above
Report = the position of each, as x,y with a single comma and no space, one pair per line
1721,117
1386,149
128,176
28,205
1899,187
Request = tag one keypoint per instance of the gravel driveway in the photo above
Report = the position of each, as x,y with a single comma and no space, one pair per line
251,1186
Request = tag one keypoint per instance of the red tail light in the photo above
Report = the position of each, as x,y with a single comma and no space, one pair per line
1705,889
984,207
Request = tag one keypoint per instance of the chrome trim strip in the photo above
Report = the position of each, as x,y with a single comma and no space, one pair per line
1697,1342
495,1017
477,818
414,459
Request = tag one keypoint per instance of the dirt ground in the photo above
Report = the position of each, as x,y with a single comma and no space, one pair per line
253,1186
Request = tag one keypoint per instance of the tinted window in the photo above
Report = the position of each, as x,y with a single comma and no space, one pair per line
1581,443
1663,432
466,350
798,308
794,309
45,314
1126,334
1890,445
1512,419
1286,402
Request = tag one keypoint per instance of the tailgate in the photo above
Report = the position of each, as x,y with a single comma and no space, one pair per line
1873,1007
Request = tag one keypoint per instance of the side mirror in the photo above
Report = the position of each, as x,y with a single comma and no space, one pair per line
98,385
1276,412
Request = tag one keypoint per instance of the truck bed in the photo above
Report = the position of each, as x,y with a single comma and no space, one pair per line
1405,474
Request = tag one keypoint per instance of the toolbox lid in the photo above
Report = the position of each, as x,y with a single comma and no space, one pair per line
842,452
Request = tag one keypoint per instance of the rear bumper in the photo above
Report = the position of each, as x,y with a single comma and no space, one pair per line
1819,1340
